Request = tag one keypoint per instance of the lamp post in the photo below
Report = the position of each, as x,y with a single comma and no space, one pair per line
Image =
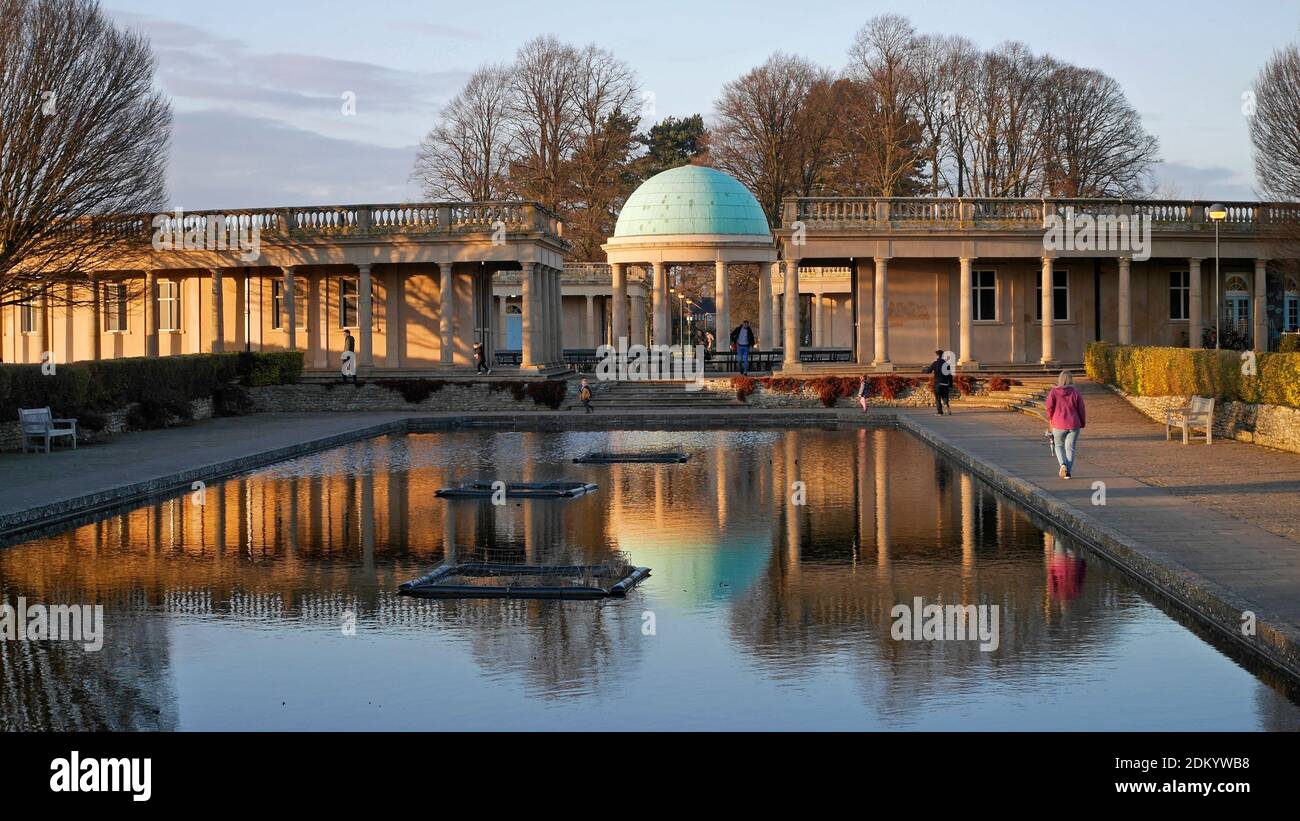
1217,214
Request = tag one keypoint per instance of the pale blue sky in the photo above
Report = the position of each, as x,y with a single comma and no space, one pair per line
257,86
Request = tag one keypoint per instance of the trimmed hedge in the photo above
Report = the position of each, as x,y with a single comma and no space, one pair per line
1184,372
93,388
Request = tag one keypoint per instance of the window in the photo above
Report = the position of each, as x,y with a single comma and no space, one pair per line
1060,297
169,305
115,307
348,302
278,307
1236,305
984,296
1291,314
1179,295
27,312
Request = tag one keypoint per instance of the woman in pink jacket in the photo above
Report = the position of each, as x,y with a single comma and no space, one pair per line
1066,418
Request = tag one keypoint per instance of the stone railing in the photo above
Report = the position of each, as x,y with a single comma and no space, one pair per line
345,221
957,213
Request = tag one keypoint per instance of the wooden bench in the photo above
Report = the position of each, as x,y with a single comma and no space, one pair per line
39,423
1198,414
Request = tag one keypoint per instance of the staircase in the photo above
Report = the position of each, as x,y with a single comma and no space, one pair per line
649,396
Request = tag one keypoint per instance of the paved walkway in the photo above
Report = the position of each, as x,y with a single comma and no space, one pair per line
1217,527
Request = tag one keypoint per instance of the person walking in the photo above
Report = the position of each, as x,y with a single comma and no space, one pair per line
1065,417
480,360
584,395
943,379
864,392
350,347
742,340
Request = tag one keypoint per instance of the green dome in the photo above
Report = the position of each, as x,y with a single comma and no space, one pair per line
691,199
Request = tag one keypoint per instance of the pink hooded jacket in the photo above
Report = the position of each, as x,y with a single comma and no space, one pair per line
1065,408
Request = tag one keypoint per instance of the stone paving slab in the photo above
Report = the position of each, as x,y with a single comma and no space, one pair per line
1216,528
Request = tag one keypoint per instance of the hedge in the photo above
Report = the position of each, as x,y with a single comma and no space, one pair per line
1184,372
90,388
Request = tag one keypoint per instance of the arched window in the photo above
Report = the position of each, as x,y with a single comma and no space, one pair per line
1236,305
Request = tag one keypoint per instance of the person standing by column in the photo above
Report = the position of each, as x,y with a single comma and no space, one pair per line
1065,416
350,348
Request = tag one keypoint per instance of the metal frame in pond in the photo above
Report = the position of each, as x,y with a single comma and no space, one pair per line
518,490
436,585
657,458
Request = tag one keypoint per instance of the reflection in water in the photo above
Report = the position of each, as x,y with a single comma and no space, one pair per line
769,600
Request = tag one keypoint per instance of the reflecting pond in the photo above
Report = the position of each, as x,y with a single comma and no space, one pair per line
778,557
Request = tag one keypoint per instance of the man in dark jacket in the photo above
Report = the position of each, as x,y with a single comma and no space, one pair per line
943,380
742,340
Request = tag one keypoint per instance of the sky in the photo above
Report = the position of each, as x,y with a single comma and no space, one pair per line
259,88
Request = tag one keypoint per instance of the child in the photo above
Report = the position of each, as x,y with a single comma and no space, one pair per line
480,363
584,394
864,391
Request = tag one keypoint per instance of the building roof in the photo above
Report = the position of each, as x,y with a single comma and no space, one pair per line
691,199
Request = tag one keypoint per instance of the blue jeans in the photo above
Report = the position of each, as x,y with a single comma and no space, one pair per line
742,357
1064,443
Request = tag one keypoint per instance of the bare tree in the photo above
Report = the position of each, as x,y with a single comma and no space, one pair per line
884,59
1094,141
465,157
599,172
545,119
760,120
83,134
1275,136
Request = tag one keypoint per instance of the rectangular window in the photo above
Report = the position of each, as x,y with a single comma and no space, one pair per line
169,305
1179,295
984,296
279,308
1060,297
115,307
348,302
27,312
1292,313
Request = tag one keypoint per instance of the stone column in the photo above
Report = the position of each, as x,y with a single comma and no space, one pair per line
557,314
446,313
791,355
96,310
966,354
819,320
880,314
591,321
1194,307
1261,306
721,306
618,312
764,330
290,309
658,304
365,317
775,334
317,321
395,290
503,314
637,331
1125,311
528,312
218,312
151,313
1049,354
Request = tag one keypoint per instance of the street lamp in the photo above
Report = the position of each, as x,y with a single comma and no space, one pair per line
1217,214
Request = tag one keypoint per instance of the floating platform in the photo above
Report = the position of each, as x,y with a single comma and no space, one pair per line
654,458
518,490
490,580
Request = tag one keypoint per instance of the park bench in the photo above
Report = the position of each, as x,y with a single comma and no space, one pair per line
1199,413
39,423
